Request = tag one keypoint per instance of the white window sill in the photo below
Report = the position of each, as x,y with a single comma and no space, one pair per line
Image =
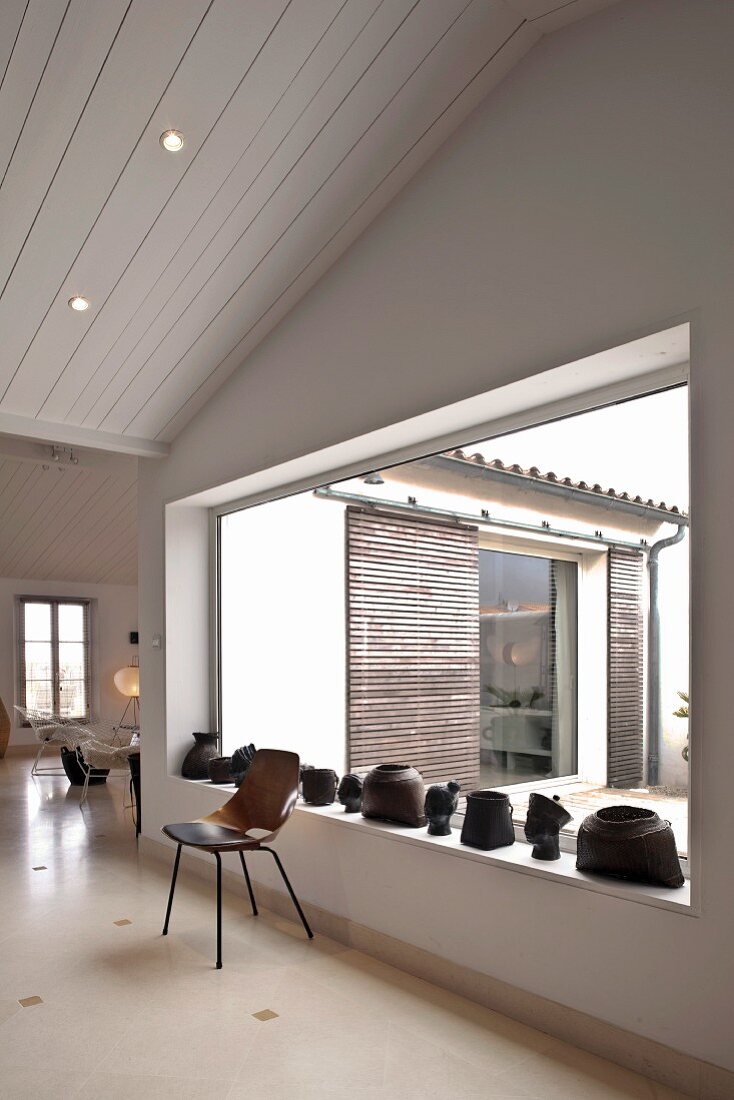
516,857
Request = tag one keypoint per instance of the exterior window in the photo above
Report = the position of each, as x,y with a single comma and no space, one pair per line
512,614
53,656
528,671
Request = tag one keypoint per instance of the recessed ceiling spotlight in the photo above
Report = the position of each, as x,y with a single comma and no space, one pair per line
172,140
78,303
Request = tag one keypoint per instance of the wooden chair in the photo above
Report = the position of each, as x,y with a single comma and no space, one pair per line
252,818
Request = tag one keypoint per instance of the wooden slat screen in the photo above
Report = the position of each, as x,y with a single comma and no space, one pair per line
413,638
625,716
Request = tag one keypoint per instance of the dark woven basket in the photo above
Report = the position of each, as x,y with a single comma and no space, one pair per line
395,792
488,821
629,842
72,761
219,770
318,786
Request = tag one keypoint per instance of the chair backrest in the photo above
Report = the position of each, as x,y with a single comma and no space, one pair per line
266,797
43,723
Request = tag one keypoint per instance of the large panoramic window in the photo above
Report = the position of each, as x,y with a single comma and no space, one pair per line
511,613
53,656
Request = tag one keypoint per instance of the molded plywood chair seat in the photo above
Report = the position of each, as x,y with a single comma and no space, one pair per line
252,818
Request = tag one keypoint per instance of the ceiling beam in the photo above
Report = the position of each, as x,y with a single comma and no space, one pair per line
75,435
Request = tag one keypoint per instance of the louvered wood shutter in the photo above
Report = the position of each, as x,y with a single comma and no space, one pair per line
625,717
413,636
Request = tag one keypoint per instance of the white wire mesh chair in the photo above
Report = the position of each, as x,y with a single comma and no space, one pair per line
101,745
49,730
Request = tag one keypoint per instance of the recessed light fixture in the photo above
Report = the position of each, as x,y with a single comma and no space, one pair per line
172,140
78,303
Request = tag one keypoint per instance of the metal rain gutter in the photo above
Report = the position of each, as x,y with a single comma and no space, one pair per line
484,519
654,721
466,468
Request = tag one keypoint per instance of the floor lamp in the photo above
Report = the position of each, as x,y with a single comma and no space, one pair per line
127,682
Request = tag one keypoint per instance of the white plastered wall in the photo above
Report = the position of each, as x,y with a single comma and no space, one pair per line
586,202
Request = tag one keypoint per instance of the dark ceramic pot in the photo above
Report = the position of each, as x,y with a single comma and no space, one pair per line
318,786
350,793
196,761
629,842
546,817
441,802
395,792
219,770
488,821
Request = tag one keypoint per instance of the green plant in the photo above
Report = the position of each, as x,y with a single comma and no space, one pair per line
508,698
682,712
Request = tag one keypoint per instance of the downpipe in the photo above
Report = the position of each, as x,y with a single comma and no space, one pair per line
654,720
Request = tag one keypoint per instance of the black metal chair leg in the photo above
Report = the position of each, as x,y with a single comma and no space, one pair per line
249,885
219,910
294,899
173,887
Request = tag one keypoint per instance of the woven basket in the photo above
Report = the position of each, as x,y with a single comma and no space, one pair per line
629,842
395,792
318,786
72,761
219,770
488,821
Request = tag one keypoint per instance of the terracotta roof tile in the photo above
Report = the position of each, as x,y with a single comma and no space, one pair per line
535,474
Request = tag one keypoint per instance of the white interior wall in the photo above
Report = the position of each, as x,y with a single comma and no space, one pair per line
586,202
114,616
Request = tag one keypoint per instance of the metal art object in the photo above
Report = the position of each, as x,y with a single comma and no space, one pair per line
546,817
440,804
241,760
350,793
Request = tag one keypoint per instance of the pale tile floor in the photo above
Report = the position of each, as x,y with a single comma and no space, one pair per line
126,1012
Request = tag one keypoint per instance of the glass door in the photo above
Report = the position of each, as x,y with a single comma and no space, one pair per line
528,668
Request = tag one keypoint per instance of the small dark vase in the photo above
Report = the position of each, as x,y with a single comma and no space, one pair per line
219,770
546,817
350,793
196,761
441,802
395,792
318,786
629,842
488,821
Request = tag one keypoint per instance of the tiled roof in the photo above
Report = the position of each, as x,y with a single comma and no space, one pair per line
550,478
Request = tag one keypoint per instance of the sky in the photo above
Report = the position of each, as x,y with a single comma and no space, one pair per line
639,446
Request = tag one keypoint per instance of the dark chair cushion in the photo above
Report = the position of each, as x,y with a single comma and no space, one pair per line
200,834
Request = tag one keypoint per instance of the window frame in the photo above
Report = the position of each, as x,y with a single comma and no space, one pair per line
585,550
55,603
506,544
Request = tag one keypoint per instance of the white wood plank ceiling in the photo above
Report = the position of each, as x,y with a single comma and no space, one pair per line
69,519
302,118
